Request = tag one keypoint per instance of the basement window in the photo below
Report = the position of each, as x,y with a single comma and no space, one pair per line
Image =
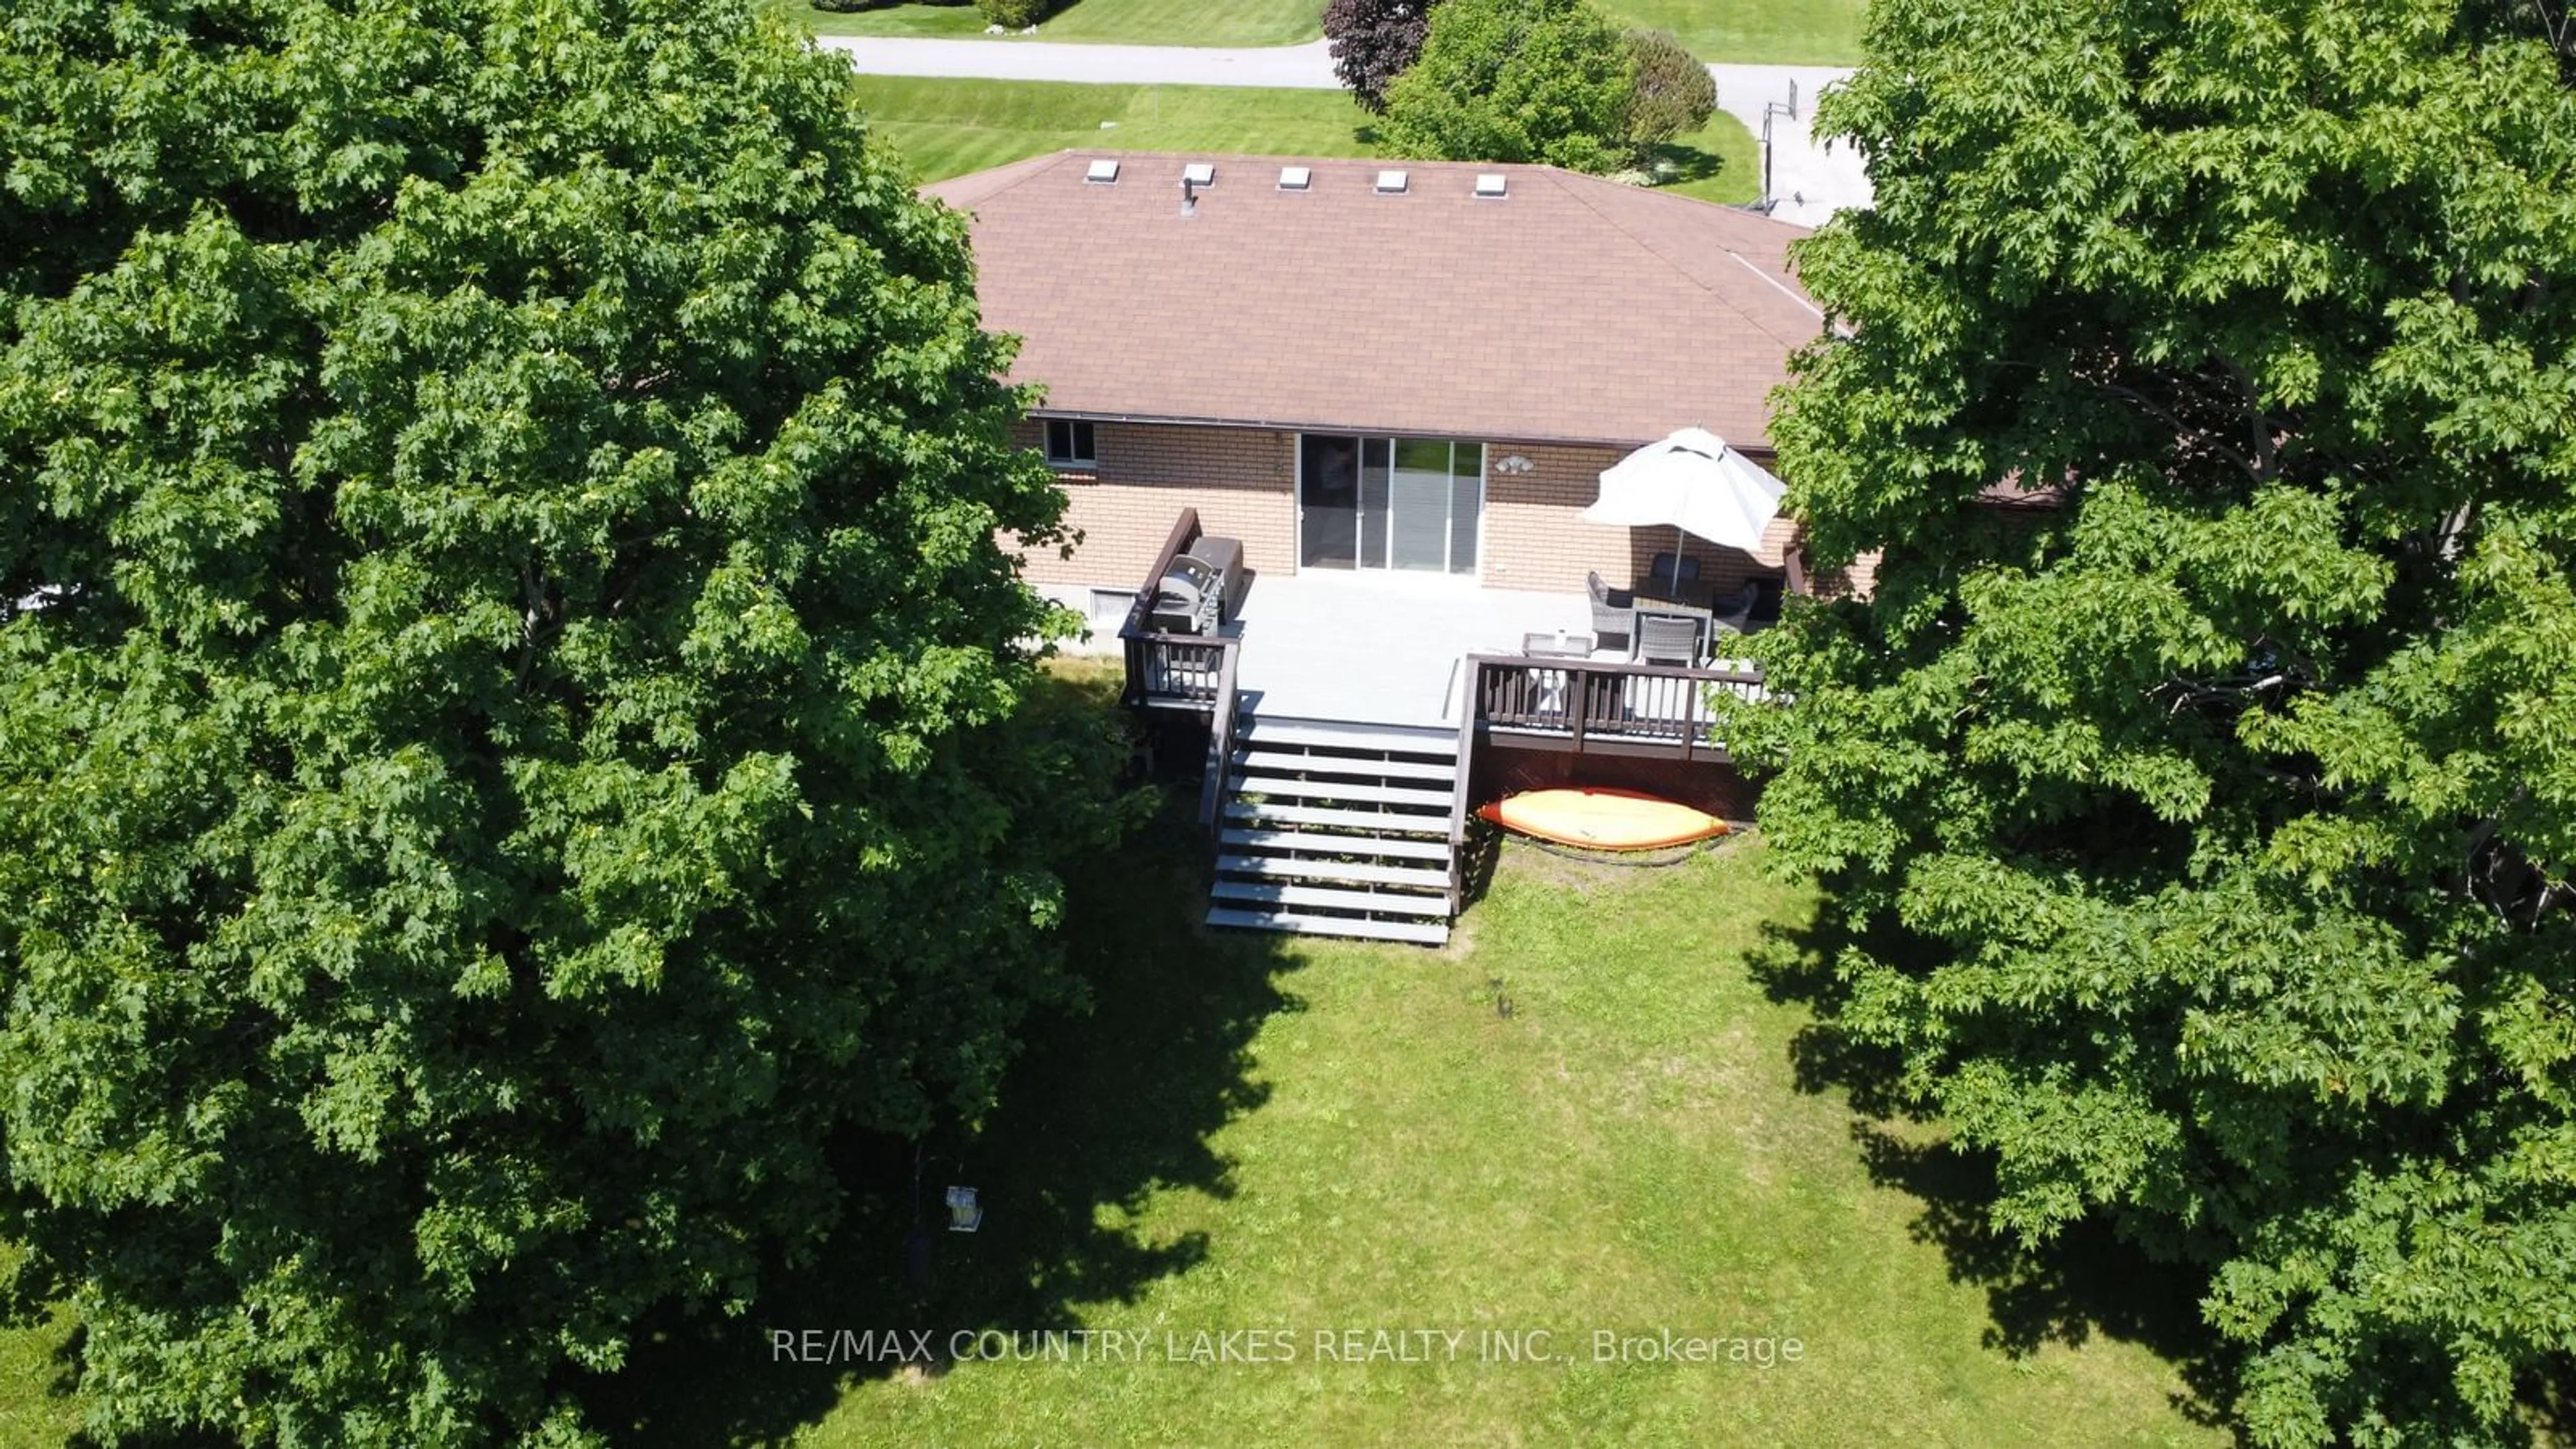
1070,444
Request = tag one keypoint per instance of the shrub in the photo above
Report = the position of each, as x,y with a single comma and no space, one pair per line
1016,14
1671,94
1514,80
1373,42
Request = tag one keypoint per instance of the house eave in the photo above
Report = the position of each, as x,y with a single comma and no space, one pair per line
1312,425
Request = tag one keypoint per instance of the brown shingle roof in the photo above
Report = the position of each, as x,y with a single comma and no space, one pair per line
1574,309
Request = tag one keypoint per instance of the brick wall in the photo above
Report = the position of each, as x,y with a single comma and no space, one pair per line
1243,483
1241,480
1533,540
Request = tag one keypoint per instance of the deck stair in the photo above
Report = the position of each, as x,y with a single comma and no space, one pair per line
1337,829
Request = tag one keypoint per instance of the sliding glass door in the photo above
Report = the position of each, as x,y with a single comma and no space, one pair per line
1328,502
1418,505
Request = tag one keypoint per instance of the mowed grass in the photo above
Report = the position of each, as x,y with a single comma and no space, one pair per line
1307,1139
1581,1117
1750,32
1132,22
1743,32
949,127
37,1408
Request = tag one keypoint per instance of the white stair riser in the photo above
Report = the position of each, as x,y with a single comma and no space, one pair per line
1339,792
1322,898
1287,867
1310,842
1438,744
1417,824
1274,762
1424,933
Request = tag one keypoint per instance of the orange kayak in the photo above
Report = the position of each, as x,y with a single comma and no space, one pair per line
1603,819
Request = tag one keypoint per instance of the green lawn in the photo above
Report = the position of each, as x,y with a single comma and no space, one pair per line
1300,1138
1249,1133
35,1410
1135,22
949,127
1751,32
1746,32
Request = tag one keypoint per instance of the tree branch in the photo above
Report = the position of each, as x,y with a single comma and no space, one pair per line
2180,427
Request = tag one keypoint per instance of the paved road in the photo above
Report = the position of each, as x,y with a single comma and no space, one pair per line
1292,67
1809,181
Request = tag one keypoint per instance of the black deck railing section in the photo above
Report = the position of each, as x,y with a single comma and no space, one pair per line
1167,670
1190,672
1575,705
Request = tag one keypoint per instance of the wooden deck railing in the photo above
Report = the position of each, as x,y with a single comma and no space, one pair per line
1606,708
1220,746
1167,670
1192,672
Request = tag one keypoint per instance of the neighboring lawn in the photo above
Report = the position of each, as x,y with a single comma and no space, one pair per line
1255,1133
950,127
1719,162
1133,22
1744,32
1750,32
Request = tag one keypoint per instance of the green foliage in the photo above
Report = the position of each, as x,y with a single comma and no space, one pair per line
2212,828
1514,80
1672,95
1016,14
511,698
1373,43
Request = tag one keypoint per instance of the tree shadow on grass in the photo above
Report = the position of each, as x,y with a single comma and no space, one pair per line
2087,1280
2548,1401
1678,163
1104,1111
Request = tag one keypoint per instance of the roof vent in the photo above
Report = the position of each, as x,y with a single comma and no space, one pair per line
1390,183
1103,172
1296,178
1491,183
1199,173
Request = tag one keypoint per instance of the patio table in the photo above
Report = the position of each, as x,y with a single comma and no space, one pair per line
1657,597
1558,645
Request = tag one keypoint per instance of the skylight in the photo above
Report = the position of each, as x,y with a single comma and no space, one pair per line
1103,172
1490,183
1296,178
1390,183
1199,173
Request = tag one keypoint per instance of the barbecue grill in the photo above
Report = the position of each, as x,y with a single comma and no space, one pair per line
1202,589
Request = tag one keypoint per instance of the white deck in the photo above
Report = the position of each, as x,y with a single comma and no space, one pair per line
1370,646
1382,647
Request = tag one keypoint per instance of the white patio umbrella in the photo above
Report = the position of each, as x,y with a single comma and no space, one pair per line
1695,482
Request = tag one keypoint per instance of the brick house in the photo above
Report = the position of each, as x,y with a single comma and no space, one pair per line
1396,384
1375,366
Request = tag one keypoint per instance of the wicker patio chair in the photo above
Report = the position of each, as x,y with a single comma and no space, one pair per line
1735,611
1614,612
1668,639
